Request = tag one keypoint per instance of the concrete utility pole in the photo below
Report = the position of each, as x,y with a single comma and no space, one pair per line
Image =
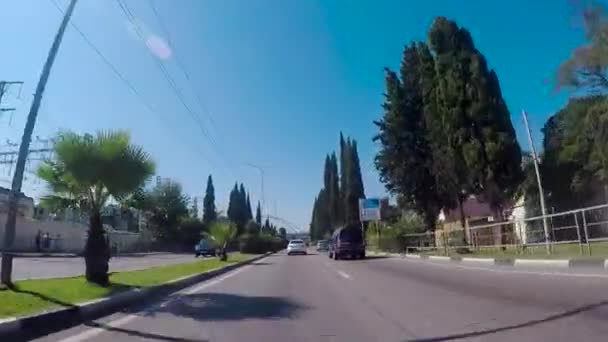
539,183
11,220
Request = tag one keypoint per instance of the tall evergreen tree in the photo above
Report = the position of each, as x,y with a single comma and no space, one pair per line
405,160
249,212
314,230
233,204
243,200
266,228
354,183
258,215
333,190
485,156
194,208
343,176
209,211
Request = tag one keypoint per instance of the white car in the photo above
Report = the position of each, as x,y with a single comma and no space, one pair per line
296,247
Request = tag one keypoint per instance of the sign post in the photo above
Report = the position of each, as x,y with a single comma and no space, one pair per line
369,210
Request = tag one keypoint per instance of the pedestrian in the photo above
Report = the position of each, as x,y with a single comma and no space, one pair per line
38,237
46,240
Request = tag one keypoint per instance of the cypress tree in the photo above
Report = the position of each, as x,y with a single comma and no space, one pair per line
354,183
258,215
249,212
343,176
405,160
480,154
209,212
334,193
233,204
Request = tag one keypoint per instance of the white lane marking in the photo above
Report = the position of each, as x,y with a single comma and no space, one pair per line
92,332
343,274
557,274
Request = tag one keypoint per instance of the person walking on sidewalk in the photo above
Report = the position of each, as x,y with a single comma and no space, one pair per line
38,238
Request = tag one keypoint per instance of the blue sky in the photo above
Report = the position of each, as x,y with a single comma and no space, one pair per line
279,79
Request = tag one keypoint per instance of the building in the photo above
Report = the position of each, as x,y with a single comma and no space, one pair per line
26,204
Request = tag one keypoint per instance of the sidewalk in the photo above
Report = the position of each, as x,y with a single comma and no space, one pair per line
75,255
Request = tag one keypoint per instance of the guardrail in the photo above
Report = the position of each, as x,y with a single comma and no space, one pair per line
583,227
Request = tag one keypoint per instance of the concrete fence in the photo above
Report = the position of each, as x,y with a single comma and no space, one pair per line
67,237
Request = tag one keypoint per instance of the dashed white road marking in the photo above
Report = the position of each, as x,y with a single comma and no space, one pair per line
343,274
92,332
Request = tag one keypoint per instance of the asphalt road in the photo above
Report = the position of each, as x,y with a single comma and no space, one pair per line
313,298
54,267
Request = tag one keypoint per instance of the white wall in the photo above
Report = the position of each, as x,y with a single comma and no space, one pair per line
66,237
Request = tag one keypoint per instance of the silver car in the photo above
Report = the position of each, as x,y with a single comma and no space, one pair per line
296,247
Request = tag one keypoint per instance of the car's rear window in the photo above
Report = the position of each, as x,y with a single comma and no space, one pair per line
296,242
353,235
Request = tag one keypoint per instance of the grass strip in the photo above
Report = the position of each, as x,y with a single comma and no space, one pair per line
30,296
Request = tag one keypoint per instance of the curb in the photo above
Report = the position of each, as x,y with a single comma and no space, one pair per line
557,263
28,327
79,255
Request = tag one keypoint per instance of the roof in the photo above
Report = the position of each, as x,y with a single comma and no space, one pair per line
473,207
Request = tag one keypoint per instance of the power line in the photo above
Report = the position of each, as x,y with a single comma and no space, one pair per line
180,64
118,74
180,96
186,73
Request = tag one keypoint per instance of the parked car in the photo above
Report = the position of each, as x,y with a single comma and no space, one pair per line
347,241
204,247
296,247
322,245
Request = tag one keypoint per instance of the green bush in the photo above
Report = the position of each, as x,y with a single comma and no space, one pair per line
260,243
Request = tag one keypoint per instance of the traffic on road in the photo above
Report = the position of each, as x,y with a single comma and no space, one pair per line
314,298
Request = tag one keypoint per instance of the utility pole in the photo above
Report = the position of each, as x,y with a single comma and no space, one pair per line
541,193
11,220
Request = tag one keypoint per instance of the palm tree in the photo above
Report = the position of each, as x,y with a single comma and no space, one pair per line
86,172
222,232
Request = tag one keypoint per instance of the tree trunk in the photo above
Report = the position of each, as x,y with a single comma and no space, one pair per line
463,221
97,252
223,254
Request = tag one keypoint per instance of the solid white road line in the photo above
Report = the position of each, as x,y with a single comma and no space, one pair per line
92,332
495,270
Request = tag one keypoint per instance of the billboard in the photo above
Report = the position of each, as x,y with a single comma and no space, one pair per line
369,209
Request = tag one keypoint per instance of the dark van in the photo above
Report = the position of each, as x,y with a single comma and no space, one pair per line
347,241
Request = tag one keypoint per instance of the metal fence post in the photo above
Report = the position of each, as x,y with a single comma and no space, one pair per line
586,232
578,233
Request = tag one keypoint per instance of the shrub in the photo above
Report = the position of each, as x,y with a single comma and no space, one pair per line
260,243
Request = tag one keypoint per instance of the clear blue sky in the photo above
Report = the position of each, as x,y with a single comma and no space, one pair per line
280,79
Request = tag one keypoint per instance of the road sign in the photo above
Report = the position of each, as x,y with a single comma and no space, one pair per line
369,209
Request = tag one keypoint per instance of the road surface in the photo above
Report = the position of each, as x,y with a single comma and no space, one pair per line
313,298
54,267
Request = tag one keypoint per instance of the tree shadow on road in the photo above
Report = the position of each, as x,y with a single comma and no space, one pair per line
261,263
534,322
136,333
229,307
